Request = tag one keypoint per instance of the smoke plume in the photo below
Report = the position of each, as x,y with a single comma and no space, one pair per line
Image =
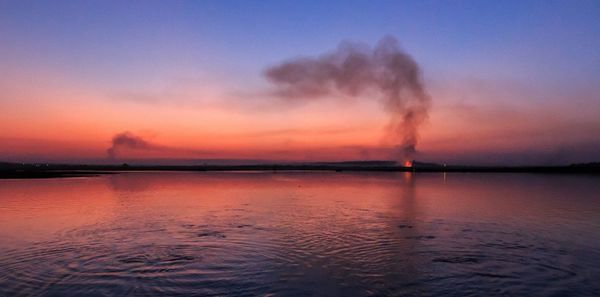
384,73
130,141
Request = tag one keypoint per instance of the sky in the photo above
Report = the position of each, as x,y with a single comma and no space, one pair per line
509,82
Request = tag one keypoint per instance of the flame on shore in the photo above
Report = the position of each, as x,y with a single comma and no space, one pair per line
407,163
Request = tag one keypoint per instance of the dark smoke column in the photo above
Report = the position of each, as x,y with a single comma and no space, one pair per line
354,70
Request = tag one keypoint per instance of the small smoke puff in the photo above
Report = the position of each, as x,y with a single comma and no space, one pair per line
127,140
354,70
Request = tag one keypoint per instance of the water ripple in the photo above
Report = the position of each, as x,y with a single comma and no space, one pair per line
296,241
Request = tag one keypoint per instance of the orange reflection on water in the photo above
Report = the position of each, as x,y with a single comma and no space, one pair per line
38,209
338,233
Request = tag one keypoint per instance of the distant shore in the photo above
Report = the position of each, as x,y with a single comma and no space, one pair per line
17,171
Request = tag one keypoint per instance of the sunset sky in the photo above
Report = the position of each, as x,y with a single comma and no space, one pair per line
510,82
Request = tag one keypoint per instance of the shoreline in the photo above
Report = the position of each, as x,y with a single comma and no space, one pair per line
57,171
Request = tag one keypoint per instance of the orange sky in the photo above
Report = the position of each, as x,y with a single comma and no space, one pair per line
56,120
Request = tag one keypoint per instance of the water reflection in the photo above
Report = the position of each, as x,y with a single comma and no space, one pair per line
300,234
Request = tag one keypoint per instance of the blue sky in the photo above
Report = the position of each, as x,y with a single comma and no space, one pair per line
543,41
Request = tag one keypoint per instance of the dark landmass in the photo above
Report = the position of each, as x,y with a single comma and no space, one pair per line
19,174
24,170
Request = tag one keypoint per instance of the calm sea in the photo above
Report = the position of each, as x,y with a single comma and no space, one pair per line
301,234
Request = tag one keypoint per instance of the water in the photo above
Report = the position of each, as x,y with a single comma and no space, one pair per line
301,234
